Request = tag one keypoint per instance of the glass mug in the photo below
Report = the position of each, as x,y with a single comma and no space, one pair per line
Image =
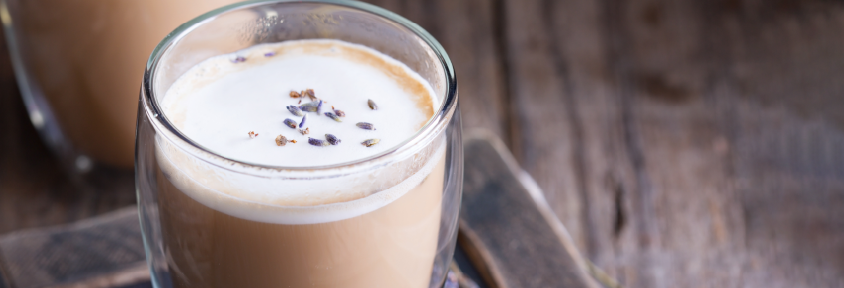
77,65
197,235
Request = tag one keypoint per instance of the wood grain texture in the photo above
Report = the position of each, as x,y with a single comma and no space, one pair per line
691,143
706,115
104,251
503,229
566,130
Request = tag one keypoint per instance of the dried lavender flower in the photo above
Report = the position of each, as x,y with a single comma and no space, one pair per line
239,59
294,94
295,110
333,116
290,123
281,140
364,125
317,142
310,94
333,140
371,104
308,108
311,104
302,124
269,54
370,142
252,134
338,112
319,108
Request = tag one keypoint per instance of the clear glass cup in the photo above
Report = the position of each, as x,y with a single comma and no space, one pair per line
194,240
77,64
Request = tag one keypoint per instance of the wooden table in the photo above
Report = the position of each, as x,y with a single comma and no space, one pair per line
682,143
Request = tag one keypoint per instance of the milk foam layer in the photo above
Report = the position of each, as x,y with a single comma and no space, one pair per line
218,101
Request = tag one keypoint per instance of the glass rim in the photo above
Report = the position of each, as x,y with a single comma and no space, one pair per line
441,117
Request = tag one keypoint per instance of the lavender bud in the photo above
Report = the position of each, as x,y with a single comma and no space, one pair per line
332,139
317,142
364,125
290,123
310,93
370,142
295,110
333,116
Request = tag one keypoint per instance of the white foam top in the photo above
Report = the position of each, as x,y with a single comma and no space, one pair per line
252,95
217,102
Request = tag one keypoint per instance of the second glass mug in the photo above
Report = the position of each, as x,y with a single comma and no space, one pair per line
231,242
77,64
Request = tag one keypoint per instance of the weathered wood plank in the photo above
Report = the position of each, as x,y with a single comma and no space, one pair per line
698,121
716,133
565,131
688,217
787,150
105,251
503,226
4,283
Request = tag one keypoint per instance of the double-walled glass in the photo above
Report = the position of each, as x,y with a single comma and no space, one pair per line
399,231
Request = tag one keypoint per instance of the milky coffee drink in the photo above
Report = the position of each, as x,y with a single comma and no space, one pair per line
86,57
225,229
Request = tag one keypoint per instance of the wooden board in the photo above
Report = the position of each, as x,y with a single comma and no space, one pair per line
507,227
106,251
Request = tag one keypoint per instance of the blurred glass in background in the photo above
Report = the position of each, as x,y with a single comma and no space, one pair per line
77,65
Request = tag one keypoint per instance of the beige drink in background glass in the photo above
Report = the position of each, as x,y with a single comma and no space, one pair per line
78,64
299,144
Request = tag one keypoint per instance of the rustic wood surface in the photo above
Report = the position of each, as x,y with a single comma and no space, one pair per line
508,228
682,143
105,251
